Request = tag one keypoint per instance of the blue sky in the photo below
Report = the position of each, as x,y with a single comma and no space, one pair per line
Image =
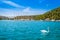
13,8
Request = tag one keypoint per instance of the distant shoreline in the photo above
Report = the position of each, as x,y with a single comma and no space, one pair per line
30,20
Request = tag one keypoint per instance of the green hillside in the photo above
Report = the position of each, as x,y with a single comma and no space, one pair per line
53,14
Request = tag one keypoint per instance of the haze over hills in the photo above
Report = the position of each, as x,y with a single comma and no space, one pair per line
3,18
52,14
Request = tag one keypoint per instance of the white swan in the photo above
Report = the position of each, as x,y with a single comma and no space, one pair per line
45,31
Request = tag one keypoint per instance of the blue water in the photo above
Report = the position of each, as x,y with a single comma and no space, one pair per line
29,30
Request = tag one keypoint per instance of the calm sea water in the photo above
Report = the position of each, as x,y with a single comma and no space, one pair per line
29,30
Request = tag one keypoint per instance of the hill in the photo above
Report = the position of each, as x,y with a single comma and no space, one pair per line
3,18
53,14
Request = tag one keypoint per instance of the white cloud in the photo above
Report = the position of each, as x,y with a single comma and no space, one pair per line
12,4
17,12
26,9
30,11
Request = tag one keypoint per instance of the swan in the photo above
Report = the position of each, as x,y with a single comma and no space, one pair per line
45,31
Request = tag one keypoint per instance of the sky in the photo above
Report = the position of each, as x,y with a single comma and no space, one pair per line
12,8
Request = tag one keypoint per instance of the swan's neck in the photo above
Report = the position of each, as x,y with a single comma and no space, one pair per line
48,29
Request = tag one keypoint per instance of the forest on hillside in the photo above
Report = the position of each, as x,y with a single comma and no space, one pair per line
53,14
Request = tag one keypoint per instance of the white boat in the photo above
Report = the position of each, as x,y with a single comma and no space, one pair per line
52,20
